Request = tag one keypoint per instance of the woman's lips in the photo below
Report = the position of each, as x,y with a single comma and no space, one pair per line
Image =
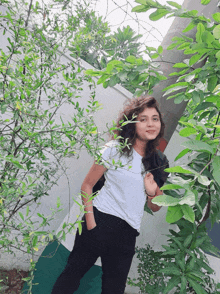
151,132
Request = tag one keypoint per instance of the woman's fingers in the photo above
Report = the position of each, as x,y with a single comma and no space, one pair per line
149,176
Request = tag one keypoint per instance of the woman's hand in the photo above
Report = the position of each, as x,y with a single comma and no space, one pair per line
150,184
90,221
90,225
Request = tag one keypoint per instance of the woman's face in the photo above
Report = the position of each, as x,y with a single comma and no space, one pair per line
148,125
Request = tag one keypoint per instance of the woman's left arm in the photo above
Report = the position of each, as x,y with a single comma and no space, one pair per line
152,189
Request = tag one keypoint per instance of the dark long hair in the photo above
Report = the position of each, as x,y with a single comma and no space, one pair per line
153,160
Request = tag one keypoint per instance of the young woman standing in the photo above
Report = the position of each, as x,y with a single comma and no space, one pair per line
112,220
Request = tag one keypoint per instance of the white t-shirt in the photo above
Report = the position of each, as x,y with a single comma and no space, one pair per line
123,194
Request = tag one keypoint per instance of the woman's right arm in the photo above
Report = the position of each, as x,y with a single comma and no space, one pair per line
94,174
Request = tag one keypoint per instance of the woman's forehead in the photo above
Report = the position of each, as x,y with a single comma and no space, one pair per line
149,112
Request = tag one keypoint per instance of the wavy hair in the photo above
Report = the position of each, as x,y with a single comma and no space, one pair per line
127,131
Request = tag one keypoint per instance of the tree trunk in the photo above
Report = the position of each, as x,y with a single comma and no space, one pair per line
172,112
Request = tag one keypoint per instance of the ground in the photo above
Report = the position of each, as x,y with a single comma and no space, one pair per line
11,280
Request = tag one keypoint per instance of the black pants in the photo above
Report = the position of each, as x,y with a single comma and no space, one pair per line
113,240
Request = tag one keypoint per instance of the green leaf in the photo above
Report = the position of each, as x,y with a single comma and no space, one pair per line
171,186
34,241
203,106
174,213
27,210
205,2
113,81
154,56
216,169
175,85
173,282
182,153
165,200
160,50
158,14
198,146
180,65
140,8
174,4
183,285
105,84
131,59
197,287
212,82
200,31
195,97
208,38
187,132
144,2
171,270
189,198
172,46
179,99
102,79
174,89
172,252
21,215
216,32
178,169
80,227
92,72
204,180
216,16
189,27
147,209
200,241
189,213
187,241
194,59
58,202
16,163
39,233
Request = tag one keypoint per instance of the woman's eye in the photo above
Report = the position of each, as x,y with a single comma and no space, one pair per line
156,119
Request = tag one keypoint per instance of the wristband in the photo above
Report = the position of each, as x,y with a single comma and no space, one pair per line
150,196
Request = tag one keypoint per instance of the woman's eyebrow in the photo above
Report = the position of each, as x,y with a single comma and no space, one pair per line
143,115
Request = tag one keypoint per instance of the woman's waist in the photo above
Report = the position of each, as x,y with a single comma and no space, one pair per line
112,221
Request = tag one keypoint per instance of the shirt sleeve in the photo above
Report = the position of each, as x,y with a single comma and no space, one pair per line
108,152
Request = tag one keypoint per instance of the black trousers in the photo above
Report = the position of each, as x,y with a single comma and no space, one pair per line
113,240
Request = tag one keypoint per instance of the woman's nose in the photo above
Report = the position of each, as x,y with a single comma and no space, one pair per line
149,122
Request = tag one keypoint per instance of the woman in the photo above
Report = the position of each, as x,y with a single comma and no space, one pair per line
113,218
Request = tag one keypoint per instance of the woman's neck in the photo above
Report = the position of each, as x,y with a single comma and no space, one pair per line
140,147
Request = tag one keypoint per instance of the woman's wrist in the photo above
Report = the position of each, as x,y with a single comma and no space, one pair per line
151,196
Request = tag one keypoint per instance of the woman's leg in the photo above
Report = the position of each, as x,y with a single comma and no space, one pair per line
119,239
116,264
115,269
81,259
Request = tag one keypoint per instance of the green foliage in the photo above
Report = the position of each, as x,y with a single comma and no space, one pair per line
184,273
37,89
150,279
